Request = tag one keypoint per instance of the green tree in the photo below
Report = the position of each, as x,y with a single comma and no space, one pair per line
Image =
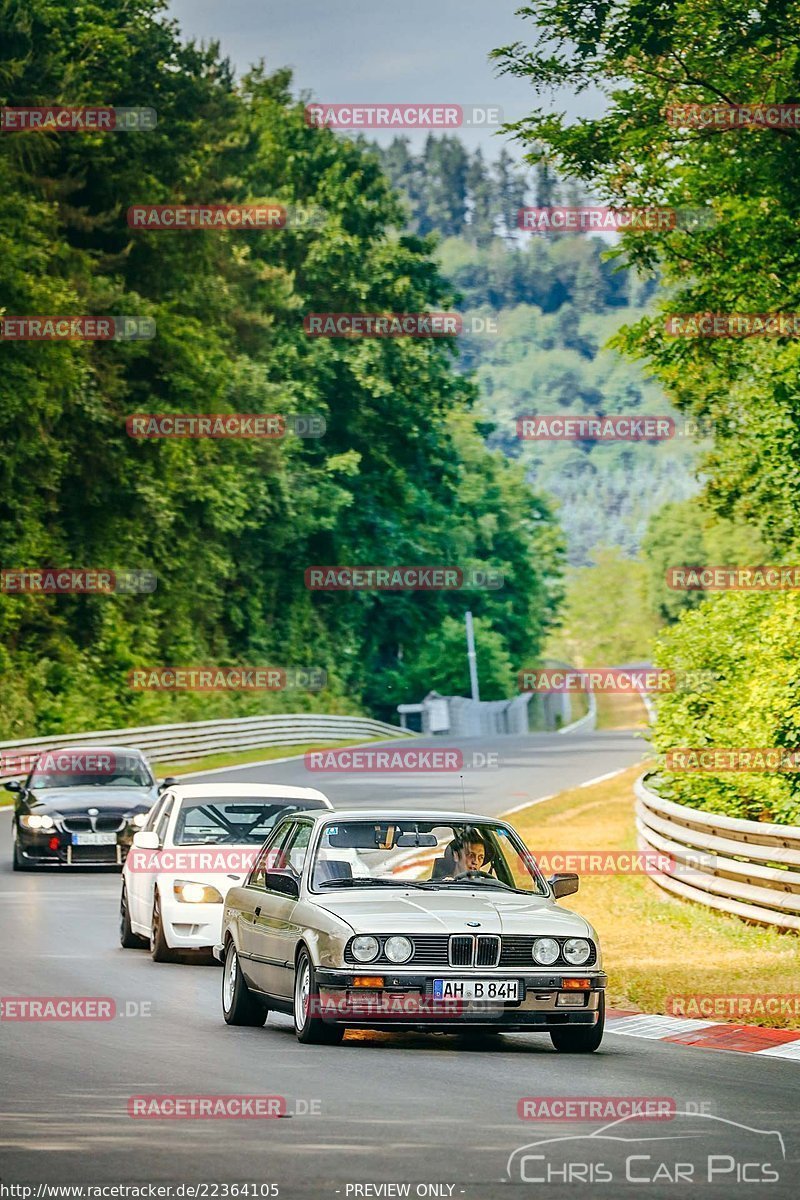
229,527
745,257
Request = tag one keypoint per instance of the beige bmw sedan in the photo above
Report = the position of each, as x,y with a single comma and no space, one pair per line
395,919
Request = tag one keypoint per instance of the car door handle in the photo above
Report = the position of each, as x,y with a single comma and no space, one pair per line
258,911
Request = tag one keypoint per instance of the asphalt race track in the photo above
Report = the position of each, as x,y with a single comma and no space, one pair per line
399,1109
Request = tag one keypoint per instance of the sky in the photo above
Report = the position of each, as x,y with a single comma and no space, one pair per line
409,51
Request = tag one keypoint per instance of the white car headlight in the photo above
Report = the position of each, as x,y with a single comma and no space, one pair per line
365,948
546,951
140,819
577,951
34,821
398,949
189,892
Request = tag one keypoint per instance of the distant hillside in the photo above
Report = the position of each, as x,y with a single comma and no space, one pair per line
555,301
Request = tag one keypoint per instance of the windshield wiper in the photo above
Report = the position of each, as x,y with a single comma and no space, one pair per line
498,883
370,883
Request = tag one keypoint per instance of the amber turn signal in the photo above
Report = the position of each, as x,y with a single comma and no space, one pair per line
368,981
577,985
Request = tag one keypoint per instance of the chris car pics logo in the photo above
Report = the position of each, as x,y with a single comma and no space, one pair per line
699,1148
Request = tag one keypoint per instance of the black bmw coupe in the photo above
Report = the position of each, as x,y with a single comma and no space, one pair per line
80,806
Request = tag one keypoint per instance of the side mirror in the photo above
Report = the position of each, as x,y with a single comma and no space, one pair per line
282,881
13,785
146,839
168,782
563,885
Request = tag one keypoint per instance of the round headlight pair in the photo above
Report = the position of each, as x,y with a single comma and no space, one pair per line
34,821
366,948
576,951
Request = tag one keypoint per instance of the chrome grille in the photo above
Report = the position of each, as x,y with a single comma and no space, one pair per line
461,950
488,951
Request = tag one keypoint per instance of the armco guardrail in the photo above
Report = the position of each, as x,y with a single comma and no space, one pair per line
746,868
198,739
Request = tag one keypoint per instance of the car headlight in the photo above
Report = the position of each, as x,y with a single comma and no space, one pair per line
140,819
546,951
577,951
365,948
398,949
189,892
35,821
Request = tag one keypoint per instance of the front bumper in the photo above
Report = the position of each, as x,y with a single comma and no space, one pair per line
191,926
55,848
406,1000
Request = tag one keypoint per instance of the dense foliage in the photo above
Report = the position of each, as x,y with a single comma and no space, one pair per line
747,260
402,475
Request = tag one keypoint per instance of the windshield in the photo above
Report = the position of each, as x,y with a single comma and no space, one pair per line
232,821
90,768
423,854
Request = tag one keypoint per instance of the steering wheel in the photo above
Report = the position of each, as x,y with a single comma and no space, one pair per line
471,875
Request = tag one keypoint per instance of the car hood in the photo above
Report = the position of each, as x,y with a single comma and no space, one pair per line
449,911
77,800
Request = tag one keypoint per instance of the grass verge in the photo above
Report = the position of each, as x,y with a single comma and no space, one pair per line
620,710
655,946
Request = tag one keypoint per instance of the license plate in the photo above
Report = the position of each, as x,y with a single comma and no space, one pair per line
94,839
476,989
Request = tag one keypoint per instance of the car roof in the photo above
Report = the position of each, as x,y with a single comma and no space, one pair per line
444,816
245,791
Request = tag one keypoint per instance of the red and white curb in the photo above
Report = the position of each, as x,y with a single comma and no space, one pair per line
706,1035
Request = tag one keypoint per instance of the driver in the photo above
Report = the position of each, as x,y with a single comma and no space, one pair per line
469,851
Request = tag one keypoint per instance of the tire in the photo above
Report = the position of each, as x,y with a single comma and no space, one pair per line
310,1030
160,952
239,1005
127,938
581,1039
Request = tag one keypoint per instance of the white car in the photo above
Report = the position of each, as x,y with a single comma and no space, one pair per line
199,841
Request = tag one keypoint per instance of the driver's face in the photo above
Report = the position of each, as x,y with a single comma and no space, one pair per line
472,857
